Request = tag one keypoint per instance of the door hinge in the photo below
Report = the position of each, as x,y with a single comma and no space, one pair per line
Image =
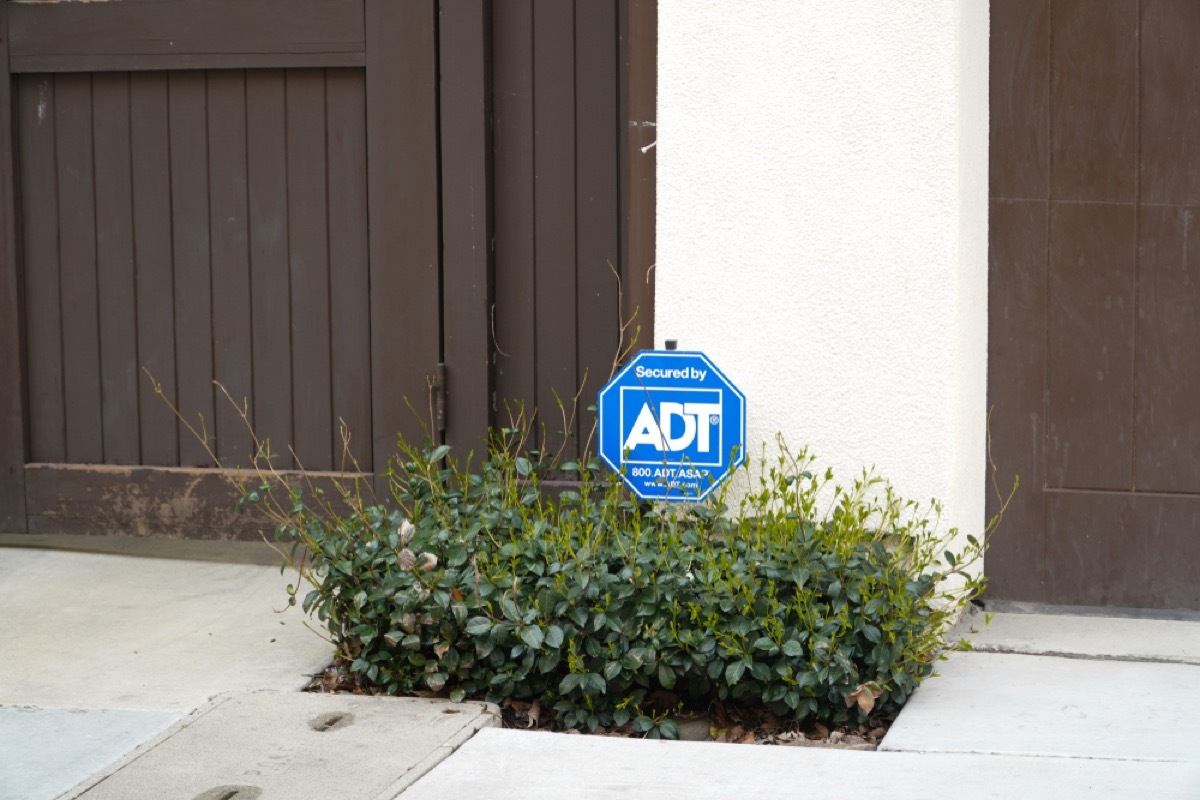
439,398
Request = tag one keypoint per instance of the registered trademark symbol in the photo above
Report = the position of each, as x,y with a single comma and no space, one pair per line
714,420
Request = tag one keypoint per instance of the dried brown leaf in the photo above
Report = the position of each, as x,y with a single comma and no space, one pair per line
535,714
407,560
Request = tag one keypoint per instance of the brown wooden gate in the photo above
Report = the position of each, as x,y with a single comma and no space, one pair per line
1094,371
321,204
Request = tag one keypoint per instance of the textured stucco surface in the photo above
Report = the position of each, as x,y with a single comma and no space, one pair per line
822,226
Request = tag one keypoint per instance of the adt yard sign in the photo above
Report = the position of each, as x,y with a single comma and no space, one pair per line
672,425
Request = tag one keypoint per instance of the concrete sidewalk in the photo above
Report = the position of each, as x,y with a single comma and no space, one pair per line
1084,722
87,630
131,677
296,746
504,764
135,677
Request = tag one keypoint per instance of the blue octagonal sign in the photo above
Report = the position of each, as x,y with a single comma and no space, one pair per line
672,425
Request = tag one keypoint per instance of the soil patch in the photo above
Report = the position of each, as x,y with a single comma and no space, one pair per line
720,721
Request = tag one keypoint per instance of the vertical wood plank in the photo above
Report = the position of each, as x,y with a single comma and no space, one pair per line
266,132
230,242
308,262
1016,392
554,205
1169,95
39,229
403,202
1019,74
115,268
512,190
350,322
464,31
1090,346
12,412
151,169
597,202
1167,421
188,104
77,251
1093,111
639,115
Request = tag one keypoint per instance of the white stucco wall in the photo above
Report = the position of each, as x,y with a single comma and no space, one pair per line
822,226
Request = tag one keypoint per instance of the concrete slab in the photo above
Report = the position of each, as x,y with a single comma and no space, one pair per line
1087,636
501,764
1041,705
46,752
298,746
83,630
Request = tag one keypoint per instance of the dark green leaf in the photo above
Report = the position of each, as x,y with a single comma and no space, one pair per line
532,635
666,676
765,643
554,636
511,612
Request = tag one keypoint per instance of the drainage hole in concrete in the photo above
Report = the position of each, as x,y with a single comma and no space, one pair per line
329,722
450,711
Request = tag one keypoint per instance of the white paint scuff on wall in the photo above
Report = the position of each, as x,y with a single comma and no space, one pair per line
822,226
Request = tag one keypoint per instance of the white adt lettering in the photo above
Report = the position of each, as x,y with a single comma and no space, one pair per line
703,413
698,419
645,431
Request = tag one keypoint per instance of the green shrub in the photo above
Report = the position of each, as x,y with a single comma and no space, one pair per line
810,599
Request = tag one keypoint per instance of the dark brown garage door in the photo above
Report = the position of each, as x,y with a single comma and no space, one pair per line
1094,373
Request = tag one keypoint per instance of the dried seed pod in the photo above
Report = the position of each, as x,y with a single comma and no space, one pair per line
407,560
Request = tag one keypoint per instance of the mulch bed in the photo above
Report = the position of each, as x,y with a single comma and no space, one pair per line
719,722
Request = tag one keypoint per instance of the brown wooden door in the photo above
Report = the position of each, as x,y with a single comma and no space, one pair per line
334,208
548,118
239,191
1094,373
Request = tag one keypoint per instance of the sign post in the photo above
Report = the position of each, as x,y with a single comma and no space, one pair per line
672,425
